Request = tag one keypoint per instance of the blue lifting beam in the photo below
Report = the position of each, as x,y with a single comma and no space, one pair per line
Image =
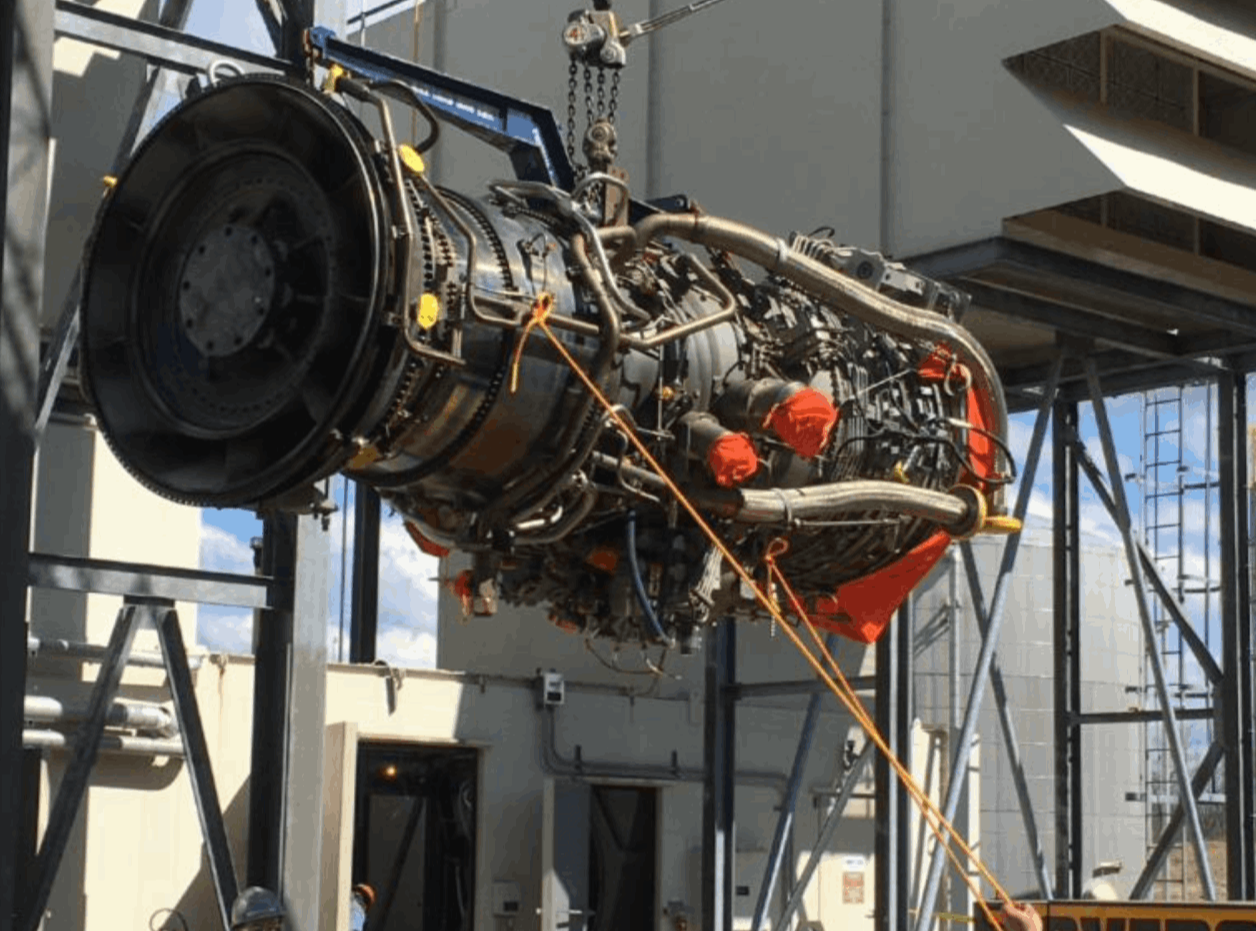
527,133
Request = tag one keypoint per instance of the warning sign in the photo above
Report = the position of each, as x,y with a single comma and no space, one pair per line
853,888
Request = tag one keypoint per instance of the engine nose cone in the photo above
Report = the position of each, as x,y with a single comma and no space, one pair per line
227,289
231,291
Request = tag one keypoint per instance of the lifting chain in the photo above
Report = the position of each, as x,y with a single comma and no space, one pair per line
572,70
598,104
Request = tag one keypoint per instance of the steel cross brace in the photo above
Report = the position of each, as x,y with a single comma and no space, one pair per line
785,822
1006,725
827,830
998,603
1122,517
74,782
196,752
1151,571
1155,860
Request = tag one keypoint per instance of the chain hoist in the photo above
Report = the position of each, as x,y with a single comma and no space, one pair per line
597,39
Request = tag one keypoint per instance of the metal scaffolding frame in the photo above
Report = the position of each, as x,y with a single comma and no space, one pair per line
290,631
284,852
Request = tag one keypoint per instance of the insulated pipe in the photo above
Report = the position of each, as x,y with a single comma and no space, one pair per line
73,649
842,292
109,743
144,717
777,505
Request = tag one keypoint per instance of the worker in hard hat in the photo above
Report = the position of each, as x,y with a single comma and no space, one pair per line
361,898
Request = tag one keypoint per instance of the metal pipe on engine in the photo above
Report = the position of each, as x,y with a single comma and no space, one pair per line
842,292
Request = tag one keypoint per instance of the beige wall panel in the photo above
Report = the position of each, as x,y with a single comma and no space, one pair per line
969,144
770,114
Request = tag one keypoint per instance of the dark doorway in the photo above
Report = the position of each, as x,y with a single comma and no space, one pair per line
623,840
414,835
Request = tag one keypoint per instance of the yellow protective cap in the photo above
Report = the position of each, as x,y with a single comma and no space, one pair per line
110,181
366,455
1001,523
429,311
411,159
900,474
334,74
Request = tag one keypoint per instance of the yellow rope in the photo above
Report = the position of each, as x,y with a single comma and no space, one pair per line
928,809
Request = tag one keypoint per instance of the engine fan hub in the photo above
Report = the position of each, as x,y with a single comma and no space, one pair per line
227,289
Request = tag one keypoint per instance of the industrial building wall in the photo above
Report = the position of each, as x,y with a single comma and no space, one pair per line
1112,657
895,122
142,864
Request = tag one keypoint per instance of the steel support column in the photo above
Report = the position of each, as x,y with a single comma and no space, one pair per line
785,821
25,133
1236,634
289,700
364,613
893,718
719,758
1006,725
998,604
1117,488
1067,653
78,769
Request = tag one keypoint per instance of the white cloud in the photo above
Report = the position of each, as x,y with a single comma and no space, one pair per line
225,630
409,648
408,577
224,552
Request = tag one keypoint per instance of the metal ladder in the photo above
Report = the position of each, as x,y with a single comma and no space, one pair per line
1170,486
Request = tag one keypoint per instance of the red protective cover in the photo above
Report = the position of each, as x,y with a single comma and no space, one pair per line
934,368
804,421
862,609
426,545
732,459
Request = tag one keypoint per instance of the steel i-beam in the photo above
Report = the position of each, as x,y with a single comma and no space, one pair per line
1067,654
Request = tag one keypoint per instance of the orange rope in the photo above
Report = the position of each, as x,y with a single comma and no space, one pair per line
542,306
928,809
846,693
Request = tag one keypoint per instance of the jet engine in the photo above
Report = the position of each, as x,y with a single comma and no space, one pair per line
275,293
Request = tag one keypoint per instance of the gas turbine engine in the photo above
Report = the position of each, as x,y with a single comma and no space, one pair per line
273,294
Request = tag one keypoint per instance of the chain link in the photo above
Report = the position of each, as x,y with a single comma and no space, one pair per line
588,96
614,101
596,107
572,71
